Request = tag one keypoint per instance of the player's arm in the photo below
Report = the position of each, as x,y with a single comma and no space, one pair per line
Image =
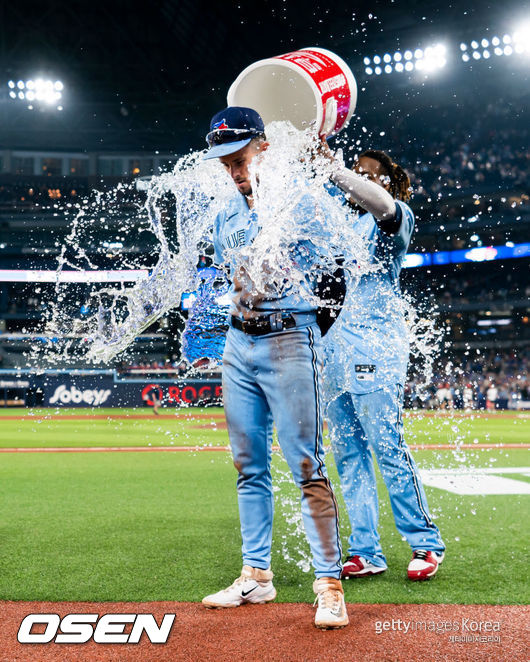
368,195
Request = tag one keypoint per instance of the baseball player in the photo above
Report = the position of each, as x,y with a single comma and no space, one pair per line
271,372
366,364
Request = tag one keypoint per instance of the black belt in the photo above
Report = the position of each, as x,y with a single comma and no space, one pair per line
260,326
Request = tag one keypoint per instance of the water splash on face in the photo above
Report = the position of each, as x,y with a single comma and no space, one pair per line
303,229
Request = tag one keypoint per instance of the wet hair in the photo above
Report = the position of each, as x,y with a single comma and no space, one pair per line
399,180
257,140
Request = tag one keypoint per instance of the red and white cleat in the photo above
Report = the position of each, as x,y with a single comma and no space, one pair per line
424,564
358,566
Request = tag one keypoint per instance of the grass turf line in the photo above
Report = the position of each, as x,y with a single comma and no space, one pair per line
36,429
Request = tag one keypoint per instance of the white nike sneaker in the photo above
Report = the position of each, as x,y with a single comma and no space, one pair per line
331,611
253,586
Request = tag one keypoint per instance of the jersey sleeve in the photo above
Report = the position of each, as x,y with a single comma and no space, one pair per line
400,240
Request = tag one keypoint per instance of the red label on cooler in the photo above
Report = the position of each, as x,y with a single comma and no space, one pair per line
328,77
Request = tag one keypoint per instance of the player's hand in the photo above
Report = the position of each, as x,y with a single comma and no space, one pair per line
323,149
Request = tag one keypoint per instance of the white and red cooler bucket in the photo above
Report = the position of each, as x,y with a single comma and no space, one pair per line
309,86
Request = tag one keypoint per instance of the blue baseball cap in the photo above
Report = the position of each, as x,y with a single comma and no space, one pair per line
232,129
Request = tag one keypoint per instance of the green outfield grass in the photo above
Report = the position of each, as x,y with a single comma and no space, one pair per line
164,526
54,427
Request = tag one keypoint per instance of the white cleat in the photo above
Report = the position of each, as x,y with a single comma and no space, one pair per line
254,586
331,611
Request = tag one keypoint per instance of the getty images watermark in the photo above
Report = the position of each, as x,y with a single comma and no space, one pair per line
464,630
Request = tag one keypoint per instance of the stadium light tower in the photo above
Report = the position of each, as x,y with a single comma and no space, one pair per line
45,93
521,39
428,60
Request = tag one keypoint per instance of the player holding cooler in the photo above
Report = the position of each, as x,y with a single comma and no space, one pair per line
271,372
366,356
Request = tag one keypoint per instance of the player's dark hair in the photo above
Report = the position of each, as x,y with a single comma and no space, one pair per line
399,180
261,137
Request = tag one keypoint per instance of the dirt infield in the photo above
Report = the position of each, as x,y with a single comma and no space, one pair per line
285,633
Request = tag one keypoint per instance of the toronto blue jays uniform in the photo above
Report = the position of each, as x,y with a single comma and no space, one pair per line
366,356
274,377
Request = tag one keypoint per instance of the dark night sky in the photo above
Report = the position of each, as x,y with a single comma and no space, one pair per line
149,75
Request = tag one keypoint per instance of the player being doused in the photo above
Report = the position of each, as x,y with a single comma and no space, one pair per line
271,375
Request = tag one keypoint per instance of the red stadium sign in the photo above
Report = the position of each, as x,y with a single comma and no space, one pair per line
182,394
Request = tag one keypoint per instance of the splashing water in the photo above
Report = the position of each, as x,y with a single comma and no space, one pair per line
293,545
286,180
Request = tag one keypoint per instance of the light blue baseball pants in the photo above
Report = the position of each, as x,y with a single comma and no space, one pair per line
373,422
276,377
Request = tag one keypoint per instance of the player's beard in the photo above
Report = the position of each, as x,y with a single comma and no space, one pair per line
246,189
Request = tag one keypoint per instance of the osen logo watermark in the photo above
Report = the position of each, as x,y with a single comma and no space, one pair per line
105,629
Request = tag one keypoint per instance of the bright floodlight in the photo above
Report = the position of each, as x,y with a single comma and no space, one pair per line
377,59
45,92
418,54
387,57
495,41
388,69
463,47
366,60
399,67
397,56
465,57
474,44
521,37
378,70
369,71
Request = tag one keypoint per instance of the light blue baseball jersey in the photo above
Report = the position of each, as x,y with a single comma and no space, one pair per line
368,346
237,226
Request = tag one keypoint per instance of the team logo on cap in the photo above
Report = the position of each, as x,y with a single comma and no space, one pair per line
220,125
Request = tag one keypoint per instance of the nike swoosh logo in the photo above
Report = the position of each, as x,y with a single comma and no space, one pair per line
245,593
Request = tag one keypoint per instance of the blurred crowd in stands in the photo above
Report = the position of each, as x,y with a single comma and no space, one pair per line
490,380
448,150
455,150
